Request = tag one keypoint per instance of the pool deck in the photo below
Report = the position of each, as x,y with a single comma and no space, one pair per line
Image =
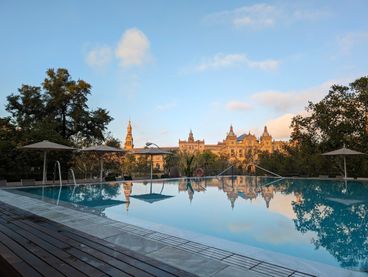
170,251
31,245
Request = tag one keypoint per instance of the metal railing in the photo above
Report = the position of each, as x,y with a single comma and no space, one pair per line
222,172
57,163
268,171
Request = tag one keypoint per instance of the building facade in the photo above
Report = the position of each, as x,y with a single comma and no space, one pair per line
244,148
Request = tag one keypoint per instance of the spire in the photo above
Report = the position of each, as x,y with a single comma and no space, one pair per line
231,132
265,132
191,137
129,138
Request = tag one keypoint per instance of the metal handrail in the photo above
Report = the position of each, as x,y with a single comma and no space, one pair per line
273,173
218,175
73,175
60,180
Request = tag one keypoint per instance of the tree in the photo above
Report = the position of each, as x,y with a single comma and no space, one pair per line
60,103
340,118
56,110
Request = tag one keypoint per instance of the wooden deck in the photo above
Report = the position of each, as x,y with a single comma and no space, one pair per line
34,246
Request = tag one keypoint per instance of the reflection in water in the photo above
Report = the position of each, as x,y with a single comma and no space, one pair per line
315,219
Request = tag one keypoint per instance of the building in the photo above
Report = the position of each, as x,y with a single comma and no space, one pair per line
244,148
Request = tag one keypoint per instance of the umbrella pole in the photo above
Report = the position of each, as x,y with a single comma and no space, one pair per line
44,173
151,166
101,170
345,167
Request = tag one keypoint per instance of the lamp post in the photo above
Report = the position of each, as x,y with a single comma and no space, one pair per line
147,145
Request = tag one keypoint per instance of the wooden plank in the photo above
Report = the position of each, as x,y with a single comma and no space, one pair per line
12,265
91,252
62,241
49,263
113,252
24,254
87,264
62,260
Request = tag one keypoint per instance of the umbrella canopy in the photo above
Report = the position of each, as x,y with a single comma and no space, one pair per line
102,149
343,152
46,146
151,152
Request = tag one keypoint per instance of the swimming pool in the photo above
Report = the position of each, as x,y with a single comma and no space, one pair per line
319,220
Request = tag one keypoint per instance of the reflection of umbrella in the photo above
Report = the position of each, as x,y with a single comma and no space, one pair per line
343,152
46,146
151,152
100,203
152,197
102,149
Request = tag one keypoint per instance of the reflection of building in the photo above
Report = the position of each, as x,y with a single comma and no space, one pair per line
247,188
244,148
267,194
127,192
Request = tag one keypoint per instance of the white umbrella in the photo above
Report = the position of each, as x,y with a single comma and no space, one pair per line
343,152
46,146
151,152
102,149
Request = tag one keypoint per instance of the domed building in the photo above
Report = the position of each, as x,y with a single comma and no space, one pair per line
243,149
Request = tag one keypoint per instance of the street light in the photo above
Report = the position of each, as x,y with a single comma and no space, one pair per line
151,143
147,145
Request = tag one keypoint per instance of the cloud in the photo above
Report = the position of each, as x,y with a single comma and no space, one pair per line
238,106
167,106
293,100
348,41
133,48
221,60
260,16
99,57
280,127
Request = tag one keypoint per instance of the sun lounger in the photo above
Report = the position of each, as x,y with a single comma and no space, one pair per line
28,182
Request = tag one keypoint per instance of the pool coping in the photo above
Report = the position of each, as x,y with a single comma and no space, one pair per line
226,253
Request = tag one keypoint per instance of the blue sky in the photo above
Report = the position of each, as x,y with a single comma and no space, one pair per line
172,66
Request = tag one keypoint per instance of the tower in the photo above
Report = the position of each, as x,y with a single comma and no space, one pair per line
266,141
129,138
190,137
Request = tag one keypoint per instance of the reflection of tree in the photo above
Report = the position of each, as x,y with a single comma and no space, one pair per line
82,194
341,229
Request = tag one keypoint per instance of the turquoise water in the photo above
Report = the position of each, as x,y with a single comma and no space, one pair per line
324,221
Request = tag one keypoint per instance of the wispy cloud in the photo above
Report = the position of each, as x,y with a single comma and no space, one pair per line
296,100
221,60
99,57
348,41
238,106
133,48
259,16
166,106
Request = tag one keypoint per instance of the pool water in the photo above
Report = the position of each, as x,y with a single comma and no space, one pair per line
319,220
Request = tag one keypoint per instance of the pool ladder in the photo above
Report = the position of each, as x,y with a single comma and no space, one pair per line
57,163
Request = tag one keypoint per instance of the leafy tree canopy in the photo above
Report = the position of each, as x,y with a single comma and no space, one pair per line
60,105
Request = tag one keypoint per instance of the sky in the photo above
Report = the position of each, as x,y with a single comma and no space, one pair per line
175,66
